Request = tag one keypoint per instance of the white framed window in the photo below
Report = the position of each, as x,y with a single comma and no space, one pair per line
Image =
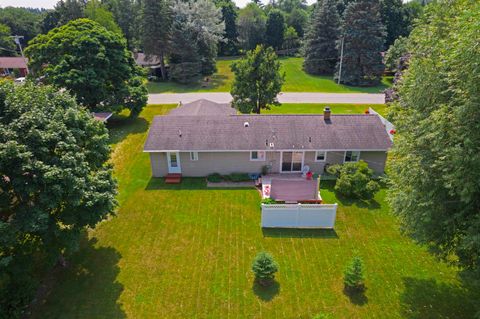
194,156
351,156
320,156
257,155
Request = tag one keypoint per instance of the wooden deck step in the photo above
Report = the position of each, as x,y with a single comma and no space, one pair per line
173,178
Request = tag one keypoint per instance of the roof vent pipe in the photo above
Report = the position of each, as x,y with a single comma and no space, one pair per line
327,113
246,124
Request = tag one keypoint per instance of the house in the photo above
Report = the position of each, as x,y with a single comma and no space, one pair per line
202,137
8,64
150,62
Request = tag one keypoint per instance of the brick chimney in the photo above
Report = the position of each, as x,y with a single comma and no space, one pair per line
326,114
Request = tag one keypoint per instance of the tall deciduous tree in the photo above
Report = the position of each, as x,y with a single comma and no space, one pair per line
251,26
291,40
298,19
364,35
275,29
321,53
156,23
7,46
22,21
54,182
98,12
435,164
93,63
257,80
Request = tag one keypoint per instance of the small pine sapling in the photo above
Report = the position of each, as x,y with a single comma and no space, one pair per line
264,267
353,275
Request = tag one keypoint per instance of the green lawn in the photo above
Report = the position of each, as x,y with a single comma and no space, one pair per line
303,108
185,252
296,80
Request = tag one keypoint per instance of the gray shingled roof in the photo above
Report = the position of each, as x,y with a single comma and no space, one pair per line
204,107
202,133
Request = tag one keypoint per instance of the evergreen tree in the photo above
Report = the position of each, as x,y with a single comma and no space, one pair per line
298,19
156,22
363,34
394,19
257,80
197,30
126,15
353,275
321,53
264,268
229,14
275,29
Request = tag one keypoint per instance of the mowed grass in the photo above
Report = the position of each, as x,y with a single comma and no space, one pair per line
185,251
296,80
305,108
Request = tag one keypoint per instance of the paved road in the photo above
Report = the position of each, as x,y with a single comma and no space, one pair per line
289,97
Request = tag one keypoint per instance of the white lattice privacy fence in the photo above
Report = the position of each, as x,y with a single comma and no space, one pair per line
299,215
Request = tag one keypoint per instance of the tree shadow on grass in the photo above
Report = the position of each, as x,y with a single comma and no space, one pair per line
266,293
299,233
426,298
357,297
120,126
87,288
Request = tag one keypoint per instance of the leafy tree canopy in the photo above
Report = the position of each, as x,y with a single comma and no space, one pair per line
257,80
98,12
397,50
93,63
22,21
54,182
7,45
251,26
435,163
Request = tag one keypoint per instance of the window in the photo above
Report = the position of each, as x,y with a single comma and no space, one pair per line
320,156
194,156
257,155
352,156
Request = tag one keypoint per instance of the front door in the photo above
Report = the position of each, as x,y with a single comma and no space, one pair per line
292,161
173,159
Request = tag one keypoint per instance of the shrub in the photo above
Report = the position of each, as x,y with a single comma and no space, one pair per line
214,178
354,180
268,201
264,267
239,177
353,275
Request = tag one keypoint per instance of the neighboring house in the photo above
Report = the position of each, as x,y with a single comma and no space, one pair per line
204,137
8,64
150,62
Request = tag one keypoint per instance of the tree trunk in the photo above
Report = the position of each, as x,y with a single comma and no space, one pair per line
162,67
